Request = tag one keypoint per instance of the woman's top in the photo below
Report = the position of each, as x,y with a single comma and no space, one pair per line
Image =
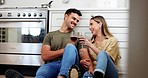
109,45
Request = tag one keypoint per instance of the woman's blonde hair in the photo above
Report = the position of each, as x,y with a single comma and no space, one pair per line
104,27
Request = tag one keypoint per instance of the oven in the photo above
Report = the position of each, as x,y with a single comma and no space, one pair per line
22,30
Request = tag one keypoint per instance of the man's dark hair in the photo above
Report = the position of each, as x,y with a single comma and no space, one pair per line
73,10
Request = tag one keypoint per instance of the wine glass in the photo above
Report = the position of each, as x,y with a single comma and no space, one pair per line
74,36
81,35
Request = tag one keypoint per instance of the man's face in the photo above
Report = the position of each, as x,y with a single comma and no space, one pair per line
72,20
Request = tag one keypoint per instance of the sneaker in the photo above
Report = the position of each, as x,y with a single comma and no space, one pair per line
98,74
74,72
10,73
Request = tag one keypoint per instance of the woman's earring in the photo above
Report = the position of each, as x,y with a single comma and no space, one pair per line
99,28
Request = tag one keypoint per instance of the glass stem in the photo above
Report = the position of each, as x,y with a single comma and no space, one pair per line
82,46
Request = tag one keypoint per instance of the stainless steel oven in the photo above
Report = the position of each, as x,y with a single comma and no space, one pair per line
21,34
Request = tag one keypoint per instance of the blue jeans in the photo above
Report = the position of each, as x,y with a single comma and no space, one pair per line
104,65
60,67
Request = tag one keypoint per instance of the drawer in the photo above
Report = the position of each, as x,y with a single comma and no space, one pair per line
14,59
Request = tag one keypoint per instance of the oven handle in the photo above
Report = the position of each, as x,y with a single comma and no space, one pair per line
22,20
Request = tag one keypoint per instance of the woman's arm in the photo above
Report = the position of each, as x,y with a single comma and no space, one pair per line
86,60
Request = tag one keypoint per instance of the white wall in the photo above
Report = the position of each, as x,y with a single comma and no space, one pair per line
70,3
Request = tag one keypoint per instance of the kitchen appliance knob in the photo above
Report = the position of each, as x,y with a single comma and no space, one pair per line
24,14
40,14
1,15
35,14
29,14
18,14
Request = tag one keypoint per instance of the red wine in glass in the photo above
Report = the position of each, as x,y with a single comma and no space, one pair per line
73,38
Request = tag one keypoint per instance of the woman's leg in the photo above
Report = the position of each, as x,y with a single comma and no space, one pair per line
70,57
87,75
48,70
111,70
105,66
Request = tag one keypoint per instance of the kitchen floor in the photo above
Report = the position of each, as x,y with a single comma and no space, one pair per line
3,76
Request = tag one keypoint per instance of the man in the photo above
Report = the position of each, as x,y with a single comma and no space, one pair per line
57,50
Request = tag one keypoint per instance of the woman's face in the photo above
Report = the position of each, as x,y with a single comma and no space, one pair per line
94,27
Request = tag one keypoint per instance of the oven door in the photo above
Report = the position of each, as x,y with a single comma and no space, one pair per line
21,40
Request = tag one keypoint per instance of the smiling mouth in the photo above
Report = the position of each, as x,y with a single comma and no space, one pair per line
73,23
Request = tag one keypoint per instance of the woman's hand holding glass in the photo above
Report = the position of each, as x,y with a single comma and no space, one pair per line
84,41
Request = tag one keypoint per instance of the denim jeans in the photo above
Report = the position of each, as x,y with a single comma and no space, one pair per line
104,65
60,67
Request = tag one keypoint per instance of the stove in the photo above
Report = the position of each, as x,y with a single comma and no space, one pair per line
22,30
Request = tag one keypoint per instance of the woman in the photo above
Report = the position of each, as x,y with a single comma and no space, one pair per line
103,51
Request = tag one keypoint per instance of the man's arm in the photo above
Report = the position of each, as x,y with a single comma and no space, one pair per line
48,55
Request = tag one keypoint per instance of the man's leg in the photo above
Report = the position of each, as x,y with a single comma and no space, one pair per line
70,57
48,70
